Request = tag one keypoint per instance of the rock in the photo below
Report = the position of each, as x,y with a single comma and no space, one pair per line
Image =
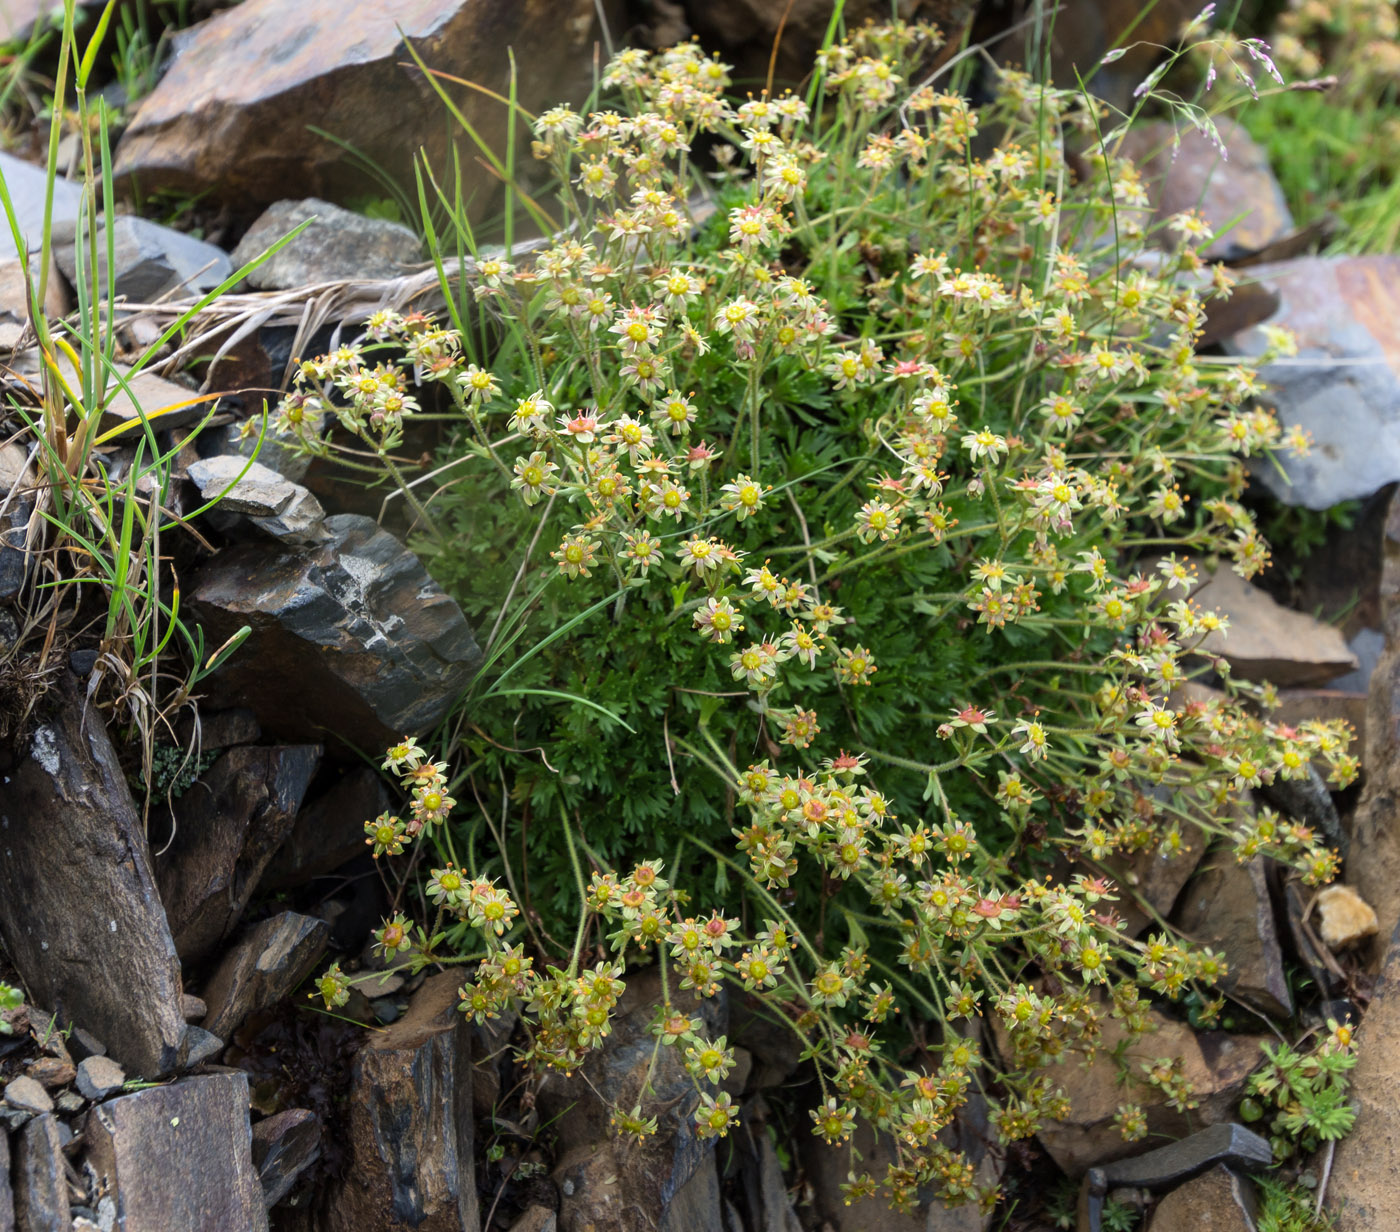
284,1146
41,1191
1227,907
149,261
1297,706
1249,303
51,1072
25,183
607,1185
271,452
15,279
696,1204
99,1077
1308,800
773,1046
65,808
1219,1201
179,1156
226,831
28,1095
1266,641
770,1207
1150,882
352,638
243,486
263,968
7,1193
536,1219
1366,1167
746,30
1192,175
336,245
1345,917
1220,1145
1344,385
164,403
200,1046
330,831
216,123
827,1167
192,1007
1215,1063
301,524
410,1137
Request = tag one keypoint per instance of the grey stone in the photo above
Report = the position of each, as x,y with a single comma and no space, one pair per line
1170,1165
301,523
536,1219
352,637
179,1156
148,398
242,486
410,1134
25,183
337,244
284,1146
200,1046
192,1007
41,1191
695,1207
1342,387
148,260
28,1095
263,968
65,808
226,831
99,1077
273,451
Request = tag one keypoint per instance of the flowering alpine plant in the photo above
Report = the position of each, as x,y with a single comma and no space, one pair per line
854,474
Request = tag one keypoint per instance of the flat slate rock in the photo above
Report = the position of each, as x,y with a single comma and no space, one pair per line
1343,386
41,1189
149,260
65,808
25,183
179,1156
351,637
99,1077
262,968
284,1146
336,245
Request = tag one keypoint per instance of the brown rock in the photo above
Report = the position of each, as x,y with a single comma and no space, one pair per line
1192,175
89,937
1216,1063
1227,907
52,1072
226,831
352,638
1375,837
1301,705
747,29
179,1156
1266,641
192,1007
410,1136
7,1193
284,1146
1366,1168
1083,31
99,1077
1150,882
536,1219
41,1191
1344,917
217,121
263,968
1217,1201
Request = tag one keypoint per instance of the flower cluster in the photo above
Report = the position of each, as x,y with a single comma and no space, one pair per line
902,443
